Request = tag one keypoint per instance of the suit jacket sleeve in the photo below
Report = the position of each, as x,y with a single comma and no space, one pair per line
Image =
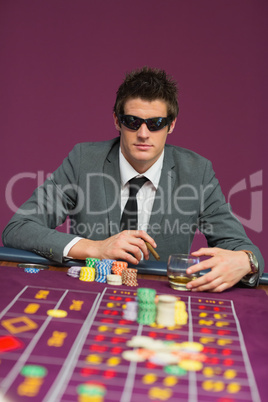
218,223
33,227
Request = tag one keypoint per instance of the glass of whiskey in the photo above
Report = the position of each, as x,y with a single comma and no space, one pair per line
176,270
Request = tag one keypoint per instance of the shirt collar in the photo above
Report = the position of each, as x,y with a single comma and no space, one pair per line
127,172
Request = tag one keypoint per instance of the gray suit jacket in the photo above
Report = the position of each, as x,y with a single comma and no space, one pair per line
86,187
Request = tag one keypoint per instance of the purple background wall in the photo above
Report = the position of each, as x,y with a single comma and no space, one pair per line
62,61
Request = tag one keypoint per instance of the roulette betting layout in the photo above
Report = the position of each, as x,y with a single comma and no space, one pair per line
62,339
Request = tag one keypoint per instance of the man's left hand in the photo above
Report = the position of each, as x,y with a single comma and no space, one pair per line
227,268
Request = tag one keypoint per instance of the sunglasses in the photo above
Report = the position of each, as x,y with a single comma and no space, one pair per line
153,124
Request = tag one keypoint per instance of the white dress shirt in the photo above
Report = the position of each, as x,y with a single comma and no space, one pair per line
146,195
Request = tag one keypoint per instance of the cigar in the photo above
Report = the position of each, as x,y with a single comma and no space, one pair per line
154,253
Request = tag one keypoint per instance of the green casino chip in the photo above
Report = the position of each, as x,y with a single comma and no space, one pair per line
91,390
175,370
34,371
147,306
90,262
146,317
146,295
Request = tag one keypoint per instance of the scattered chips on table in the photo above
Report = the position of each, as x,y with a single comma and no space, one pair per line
163,358
141,341
133,356
172,356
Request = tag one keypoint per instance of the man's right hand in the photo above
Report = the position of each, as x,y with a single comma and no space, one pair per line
127,246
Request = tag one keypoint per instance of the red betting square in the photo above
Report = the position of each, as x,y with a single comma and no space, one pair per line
8,343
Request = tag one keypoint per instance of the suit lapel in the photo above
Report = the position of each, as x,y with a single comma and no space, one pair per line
112,186
163,197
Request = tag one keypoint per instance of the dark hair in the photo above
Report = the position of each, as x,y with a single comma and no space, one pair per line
148,84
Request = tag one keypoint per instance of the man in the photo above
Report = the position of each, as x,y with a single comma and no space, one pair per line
178,195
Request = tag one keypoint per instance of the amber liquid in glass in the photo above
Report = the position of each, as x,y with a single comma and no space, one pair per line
179,282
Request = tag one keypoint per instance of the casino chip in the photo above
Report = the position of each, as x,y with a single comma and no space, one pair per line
91,392
74,272
102,268
163,359
87,274
140,341
191,365
114,279
131,311
176,358
192,346
146,306
57,313
158,346
33,371
118,267
146,295
108,261
101,271
166,310
129,277
31,270
175,370
90,262
133,356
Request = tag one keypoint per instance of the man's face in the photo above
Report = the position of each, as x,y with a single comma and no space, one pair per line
142,148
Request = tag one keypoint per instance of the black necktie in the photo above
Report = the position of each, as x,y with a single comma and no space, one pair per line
129,219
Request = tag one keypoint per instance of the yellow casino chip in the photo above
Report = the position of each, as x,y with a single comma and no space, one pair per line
190,365
192,346
57,313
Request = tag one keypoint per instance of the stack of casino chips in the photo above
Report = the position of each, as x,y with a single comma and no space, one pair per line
87,274
74,272
129,277
114,279
146,306
91,392
166,310
130,311
108,261
118,267
181,315
102,268
31,270
90,262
